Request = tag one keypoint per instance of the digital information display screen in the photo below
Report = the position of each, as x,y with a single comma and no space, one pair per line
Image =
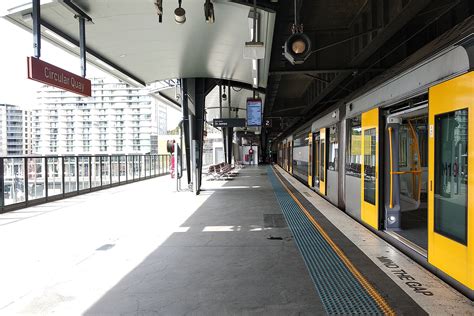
254,112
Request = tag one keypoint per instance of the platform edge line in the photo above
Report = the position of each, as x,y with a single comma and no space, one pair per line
384,306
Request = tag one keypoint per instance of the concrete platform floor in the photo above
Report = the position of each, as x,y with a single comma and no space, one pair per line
143,249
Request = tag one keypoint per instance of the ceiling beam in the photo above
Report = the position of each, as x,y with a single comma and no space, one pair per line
310,71
405,16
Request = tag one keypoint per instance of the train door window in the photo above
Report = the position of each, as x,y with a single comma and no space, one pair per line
333,149
402,146
300,157
450,181
322,154
290,156
317,158
353,150
369,165
310,159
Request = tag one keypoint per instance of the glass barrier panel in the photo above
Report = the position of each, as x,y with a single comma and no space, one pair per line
123,169
84,172
147,166
131,167
36,178
136,167
153,165
115,169
14,180
70,179
55,176
105,170
142,166
95,176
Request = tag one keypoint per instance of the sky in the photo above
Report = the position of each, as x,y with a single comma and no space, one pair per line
16,45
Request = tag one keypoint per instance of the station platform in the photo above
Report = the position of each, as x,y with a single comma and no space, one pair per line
260,243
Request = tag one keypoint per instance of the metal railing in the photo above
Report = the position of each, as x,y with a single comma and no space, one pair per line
32,180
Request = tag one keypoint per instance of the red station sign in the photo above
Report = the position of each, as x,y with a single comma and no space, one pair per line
43,72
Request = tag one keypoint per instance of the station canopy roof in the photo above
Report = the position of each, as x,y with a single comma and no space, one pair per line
126,39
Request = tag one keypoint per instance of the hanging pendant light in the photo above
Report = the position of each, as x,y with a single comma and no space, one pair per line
179,14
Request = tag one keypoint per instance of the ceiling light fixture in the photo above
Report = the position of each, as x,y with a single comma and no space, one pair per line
297,47
180,14
224,96
209,12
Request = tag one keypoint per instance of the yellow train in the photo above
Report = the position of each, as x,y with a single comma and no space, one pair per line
397,156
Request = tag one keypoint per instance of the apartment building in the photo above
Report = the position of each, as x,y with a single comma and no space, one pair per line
15,130
117,119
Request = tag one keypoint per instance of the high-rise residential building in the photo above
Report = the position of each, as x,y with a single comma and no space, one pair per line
117,119
15,130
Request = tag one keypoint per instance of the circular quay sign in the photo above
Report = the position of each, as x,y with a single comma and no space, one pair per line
43,72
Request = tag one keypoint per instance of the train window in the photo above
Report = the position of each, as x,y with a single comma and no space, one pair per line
333,148
422,133
317,158
300,156
450,181
370,157
353,152
321,160
403,147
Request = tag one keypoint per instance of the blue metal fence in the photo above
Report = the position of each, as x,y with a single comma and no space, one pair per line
31,180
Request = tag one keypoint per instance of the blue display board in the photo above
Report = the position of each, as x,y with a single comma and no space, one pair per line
254,112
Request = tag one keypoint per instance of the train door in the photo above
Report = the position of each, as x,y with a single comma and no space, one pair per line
290,157
406,177
316,157
310,159
322,161
451,191
369,168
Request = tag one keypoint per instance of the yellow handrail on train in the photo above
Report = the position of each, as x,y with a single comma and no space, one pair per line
413,172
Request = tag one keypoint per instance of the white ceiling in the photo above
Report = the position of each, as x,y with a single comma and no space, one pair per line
127,33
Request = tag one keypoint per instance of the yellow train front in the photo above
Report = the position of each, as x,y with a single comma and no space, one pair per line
397,157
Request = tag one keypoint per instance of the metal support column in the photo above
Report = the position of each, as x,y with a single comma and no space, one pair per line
36,28
184,108
230,130
224,144
230,137
199,103
82,44
46,182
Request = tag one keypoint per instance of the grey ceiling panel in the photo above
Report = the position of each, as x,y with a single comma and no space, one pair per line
127,33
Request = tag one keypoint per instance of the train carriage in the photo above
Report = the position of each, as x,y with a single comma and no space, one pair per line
397,156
